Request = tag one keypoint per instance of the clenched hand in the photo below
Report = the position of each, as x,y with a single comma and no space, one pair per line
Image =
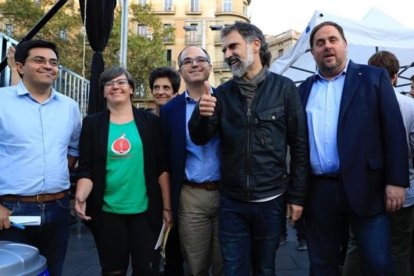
207,102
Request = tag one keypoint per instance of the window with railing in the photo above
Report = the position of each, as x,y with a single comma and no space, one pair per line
9,29
168,5
142,2
168,55
142,30
194,5
193,34
168,33
140,90
221,65
227,5
170,62
63,35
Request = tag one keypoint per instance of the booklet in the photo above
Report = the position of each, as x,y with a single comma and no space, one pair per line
26,220
162,239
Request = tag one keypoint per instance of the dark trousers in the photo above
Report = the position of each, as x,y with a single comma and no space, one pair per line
402,230
51,237
249,235
120,238
300,229
173,258
328,210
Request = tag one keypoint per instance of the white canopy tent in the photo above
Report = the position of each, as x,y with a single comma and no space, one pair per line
375,32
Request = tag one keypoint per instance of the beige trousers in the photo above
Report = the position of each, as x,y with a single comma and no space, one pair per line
198,229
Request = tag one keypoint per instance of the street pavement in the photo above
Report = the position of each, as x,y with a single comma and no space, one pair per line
82,258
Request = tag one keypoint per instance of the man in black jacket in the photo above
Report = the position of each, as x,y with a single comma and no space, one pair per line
257,114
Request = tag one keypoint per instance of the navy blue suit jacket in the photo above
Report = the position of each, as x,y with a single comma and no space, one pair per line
173,126
371,137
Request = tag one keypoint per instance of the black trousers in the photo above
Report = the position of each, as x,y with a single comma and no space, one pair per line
173,258
120,238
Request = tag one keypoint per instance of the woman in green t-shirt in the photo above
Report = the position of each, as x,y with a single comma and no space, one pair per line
123,185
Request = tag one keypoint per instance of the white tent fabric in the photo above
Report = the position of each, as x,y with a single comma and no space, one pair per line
375,32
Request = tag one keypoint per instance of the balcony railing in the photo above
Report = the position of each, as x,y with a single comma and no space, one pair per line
161,8
68,82
220,66
75,86
233,12
193,38
169,39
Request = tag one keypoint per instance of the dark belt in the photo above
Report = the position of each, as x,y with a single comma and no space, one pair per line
34,198
209,186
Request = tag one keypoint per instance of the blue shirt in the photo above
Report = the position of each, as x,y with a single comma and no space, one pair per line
202,163
322,112
35,140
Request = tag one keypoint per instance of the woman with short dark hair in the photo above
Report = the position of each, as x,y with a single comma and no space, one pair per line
121,170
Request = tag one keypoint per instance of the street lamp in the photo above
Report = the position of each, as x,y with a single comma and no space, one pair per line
124,34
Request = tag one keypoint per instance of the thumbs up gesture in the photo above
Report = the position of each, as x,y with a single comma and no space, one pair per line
207,102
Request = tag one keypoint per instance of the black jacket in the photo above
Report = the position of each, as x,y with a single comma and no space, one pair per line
92,160
254,142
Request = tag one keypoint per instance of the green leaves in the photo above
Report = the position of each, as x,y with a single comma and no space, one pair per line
146,49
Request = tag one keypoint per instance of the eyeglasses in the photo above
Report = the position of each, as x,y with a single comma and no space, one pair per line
120,82
43,61
198,60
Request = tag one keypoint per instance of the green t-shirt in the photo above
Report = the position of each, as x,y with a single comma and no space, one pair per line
125,191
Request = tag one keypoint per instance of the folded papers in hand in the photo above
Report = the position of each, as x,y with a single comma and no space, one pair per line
26,220
162,239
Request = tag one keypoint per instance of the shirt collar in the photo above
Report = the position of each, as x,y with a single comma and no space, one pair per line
188,99
22,90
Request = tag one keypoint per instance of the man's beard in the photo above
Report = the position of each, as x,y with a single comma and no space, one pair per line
239,69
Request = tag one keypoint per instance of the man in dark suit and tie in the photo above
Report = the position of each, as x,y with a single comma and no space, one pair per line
358,155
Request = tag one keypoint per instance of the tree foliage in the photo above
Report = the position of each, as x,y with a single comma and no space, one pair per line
145,52
63,29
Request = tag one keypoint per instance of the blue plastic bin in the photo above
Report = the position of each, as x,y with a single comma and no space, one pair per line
21,259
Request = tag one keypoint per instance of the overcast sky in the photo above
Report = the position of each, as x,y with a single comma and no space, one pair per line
276,16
